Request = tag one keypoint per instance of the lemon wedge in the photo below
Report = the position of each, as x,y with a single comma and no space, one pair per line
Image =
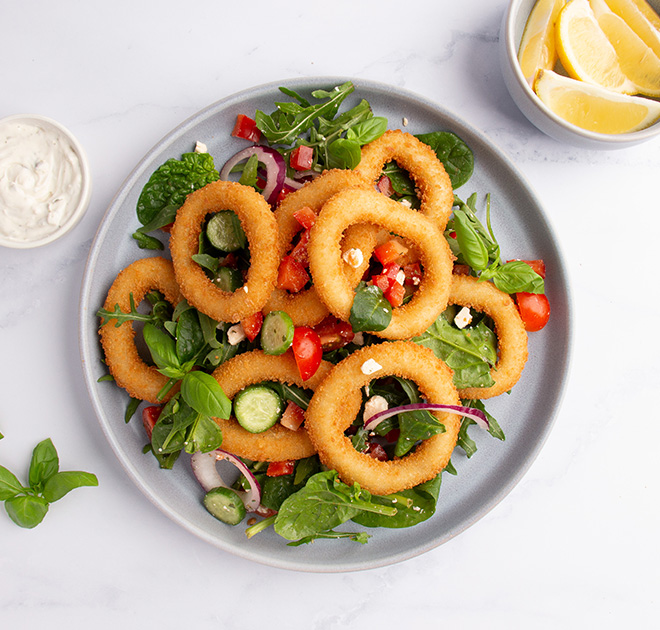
638,62
639,15
584,50
594,108
537,46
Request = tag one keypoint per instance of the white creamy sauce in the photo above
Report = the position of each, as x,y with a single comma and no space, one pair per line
40,180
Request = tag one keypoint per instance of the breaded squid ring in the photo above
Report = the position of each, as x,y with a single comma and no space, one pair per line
421,162
305,307
368,206
277,443
140,380
260,228
337,401
511,335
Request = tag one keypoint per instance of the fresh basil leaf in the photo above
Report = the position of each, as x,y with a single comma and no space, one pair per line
172,182
204,394
205,436
371,311
10,486
26,511
44,463
472,247
344,153
368,130
454,154
63,482
515,276
162,347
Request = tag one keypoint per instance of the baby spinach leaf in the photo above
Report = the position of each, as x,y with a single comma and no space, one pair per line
205,436
189,335
371,311
172,182
454,154
361,537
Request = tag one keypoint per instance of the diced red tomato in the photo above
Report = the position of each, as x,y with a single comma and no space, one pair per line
293,416
384,186
305,216
277,469
283,193
246,128
299,251
393,435
292,276
389,252
381,281
252,325
307,351
413,273
334,333
376,451
150,416
302,158
534,309
167,228
395,294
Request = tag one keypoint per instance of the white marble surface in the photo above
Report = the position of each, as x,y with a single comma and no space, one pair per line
575,543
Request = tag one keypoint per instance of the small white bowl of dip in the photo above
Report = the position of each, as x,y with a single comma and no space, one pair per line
45,181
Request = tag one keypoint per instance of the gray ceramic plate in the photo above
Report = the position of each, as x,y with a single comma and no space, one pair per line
526,415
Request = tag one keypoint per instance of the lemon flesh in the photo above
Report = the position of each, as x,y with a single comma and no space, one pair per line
594,108
641,18
537,46
585,51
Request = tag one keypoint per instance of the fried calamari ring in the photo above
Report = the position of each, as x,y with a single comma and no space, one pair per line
140,380
277,443
260,228
421,162
368,206
337,401
305,307
511,336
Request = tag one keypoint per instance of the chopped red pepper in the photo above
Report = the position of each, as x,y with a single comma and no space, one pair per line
305,216
246,128
389,252
299,251
293,416
302,158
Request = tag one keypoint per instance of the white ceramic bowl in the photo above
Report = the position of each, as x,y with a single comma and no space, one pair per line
76,213
531,106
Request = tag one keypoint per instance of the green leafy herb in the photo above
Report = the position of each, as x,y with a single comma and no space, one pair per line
371,311
454,154
27,506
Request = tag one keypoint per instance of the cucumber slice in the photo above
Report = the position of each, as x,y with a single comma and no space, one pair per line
224,231
228,279
257,408
225,505
276,332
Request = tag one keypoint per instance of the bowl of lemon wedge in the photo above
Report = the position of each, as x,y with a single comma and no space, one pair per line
585,72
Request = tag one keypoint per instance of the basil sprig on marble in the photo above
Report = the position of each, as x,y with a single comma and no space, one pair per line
28,505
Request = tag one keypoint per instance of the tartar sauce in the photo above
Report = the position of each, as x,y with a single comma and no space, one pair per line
40,180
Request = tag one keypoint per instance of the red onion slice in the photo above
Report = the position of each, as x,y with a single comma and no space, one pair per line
271,159
205,470
469,412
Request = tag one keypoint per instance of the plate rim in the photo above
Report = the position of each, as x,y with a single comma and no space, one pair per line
307,84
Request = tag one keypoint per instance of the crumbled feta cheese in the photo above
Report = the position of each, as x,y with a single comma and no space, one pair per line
401,276
245,288
405,121
463,317
358,339
374,405
235,334
353,257
200,147
406,202
370,366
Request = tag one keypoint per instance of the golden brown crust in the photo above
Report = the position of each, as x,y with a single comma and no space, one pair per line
421,162
277,443
260,228
368,206
140,380
336,403
511,335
